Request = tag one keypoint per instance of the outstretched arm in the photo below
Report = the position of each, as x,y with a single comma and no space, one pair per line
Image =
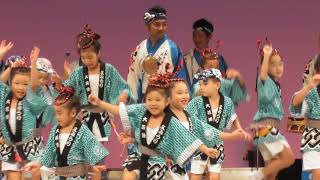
300,96
94,100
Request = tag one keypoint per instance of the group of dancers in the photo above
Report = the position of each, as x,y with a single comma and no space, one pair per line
176,110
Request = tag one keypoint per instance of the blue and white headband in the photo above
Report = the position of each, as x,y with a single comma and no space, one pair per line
44,65
209,73
203,28
14,58
149,17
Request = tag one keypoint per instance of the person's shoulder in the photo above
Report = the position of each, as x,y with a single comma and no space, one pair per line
196,100
142,43
172,43
227,100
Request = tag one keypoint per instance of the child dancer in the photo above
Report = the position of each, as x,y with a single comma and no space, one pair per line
305,103
98,78
273,146
71,145
4,48
218,111
157,133
179,98
20,106
233,86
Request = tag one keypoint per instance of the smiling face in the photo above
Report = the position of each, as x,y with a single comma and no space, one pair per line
179,95
19,84
19,81
156,102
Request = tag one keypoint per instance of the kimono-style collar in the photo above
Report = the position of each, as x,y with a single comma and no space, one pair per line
197,56
153,49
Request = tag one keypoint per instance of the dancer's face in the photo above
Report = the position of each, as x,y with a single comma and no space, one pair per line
156,102
179,95
19,84
210,87
42,78
64,115
90,58
276,66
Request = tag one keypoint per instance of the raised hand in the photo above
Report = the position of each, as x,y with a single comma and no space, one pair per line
67,69
34,54
18,63
267,50
4,48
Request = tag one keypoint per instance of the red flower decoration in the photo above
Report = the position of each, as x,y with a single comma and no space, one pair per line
160,80
65,92
261,44
89,34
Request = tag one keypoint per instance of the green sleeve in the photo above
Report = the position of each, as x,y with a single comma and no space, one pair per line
205,132
94,151
48,157
117,86
179,143
265,91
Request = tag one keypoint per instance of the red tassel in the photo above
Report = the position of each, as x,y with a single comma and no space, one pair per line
18,158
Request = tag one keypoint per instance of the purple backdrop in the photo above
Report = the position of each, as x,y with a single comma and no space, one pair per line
292,27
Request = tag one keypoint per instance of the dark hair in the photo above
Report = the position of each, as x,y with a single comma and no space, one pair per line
157,9
88,39
164,92
173,84
204,60
71,102
67,98
317,64
84,41
19,70
205,24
